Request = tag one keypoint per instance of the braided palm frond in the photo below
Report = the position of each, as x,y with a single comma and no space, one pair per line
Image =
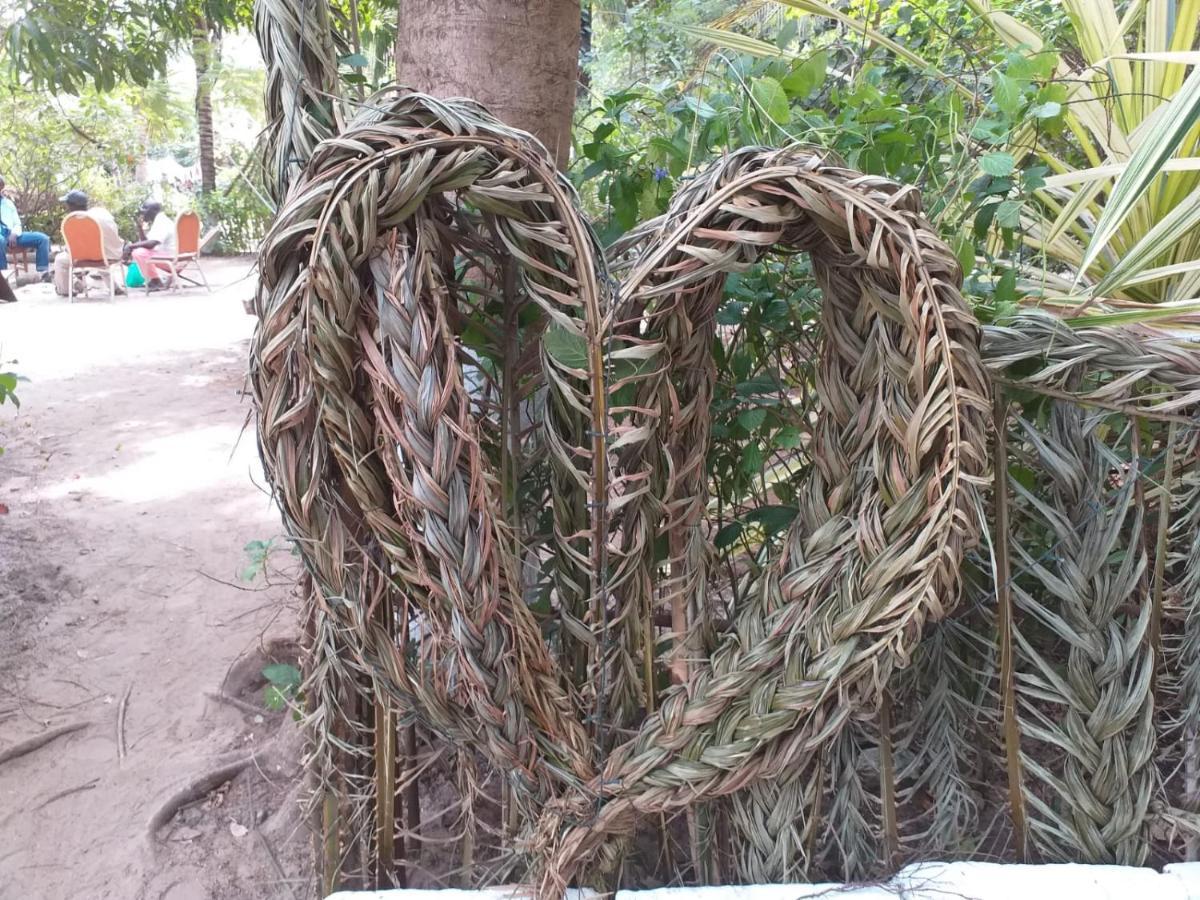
299,47
852,844
457,404
371,480
772,827
296,44
1089,596
945,703
1096,367
1080,540
876,548
1182,645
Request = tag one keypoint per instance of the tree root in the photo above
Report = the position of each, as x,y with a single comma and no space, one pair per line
121,712
87,786
21,749
192,791
248,708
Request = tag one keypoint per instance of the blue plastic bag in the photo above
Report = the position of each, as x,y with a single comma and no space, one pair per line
133,276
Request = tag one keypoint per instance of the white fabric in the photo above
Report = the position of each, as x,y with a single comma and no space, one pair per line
921,881
9,217
162,229
113,245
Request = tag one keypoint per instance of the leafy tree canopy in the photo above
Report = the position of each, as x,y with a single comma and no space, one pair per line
63,45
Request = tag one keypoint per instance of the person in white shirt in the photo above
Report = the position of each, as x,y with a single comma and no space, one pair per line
13,235
114,247
158,240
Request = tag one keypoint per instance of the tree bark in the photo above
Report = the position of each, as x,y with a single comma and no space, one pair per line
203,53
585,49
519,58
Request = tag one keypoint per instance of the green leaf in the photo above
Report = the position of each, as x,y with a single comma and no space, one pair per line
1006,92
1155,148
697,106
964,252
752,460
806,76
788,438
566,348
282,675
1023,475
787,33
274,699
1008,214
770,95
1006,287
354,60
752,418
731,312
1051,109
773,518
727,535
997,164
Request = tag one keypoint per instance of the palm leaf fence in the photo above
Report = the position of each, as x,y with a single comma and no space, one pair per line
977,637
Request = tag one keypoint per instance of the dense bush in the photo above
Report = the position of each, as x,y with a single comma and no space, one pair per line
242,213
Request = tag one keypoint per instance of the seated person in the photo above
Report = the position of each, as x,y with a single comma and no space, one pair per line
114,247
157,241
12,235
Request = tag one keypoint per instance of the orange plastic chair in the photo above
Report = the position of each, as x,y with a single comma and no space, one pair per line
85,248
188,246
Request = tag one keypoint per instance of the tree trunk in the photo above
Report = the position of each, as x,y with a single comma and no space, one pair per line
203,56
585,49
519,58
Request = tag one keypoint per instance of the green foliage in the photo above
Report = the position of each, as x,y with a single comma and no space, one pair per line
954,114
372,66
242,212
91,142
8,388
258,554
8,391
283,686
68,45
764,354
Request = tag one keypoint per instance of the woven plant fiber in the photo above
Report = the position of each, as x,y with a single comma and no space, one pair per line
393,468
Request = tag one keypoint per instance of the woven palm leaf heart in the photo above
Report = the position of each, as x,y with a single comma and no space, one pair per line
489,444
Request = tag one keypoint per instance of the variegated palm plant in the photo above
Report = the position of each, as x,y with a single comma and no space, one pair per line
1115,221
1122,227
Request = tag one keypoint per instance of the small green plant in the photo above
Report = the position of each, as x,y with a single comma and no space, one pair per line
283,686
258,553
8,392
8,388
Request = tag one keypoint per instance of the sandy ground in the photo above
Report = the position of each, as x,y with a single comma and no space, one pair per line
128,490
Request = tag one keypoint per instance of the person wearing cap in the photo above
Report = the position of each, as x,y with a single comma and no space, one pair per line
114,247
13,235
157,240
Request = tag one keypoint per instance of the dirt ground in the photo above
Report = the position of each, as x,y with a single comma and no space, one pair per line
128,490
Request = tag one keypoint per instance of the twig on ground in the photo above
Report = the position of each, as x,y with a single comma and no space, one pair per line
87,786
236,587
275,861
248,708
122,709
28,746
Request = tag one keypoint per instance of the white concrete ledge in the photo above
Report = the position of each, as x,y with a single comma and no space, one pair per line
923,881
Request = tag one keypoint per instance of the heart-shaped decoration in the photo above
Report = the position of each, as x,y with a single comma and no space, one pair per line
438,329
